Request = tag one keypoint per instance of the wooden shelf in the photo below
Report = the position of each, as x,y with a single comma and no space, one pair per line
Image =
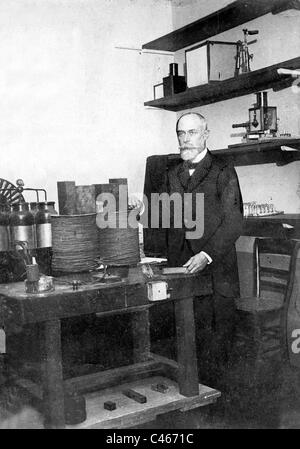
129,413
243,84
261,152
230,16
273,226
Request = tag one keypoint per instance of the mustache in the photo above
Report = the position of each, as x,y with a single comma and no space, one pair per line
187,147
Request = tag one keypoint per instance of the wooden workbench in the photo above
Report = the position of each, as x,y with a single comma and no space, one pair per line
129,296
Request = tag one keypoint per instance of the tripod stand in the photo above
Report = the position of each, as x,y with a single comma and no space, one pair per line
242,63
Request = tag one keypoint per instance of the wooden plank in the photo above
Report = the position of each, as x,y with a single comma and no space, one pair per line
53,391
85,199
186,348
129,413
112,189
116,376
66,197
122,202
141,336
232,15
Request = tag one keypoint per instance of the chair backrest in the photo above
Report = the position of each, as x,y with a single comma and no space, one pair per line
272,274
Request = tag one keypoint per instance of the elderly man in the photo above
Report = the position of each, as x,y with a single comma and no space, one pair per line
214,251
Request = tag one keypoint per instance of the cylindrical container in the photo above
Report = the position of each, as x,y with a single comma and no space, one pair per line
74,243
32,272
51,207
33,207
118,241
22,227
4,228
43,226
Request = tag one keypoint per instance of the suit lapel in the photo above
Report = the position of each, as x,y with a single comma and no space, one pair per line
180,179
200,172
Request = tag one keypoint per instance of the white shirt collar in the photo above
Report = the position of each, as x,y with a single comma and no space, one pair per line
200,156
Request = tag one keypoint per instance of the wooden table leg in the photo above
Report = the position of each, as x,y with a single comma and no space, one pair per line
53,390
186,348
141,336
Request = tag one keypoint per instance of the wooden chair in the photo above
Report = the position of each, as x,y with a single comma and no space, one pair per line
261,319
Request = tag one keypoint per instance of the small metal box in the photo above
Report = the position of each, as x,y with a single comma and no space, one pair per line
157,290
210,61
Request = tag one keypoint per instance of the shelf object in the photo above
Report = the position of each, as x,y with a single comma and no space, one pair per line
262,152
230,16
273,226
244,84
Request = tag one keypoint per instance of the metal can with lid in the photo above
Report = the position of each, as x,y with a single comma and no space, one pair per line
43,226
21,222
4,228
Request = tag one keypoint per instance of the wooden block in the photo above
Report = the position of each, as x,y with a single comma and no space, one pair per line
108,188
135,396
119,181
122,204
110,405
160,388
66,197
175,270
85,199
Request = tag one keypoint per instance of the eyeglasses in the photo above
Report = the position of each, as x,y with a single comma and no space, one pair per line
190,133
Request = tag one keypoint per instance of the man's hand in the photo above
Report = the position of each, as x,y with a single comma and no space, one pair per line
196,263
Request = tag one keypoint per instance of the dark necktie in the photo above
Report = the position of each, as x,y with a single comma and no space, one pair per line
191,165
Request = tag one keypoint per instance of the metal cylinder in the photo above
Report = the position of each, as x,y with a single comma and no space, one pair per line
33,207
32,272
22,227
51,207
43,226
4,228
258,99
173,69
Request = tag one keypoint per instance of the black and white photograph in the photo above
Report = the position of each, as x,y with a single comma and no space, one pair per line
150,217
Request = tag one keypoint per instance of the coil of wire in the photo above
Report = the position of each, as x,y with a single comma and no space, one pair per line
119,245
74,243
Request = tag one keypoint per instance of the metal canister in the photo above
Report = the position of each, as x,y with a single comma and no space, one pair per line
21,222
33,207
43,226
51,207
4,228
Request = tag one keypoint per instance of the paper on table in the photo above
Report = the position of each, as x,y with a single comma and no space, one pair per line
285,148
152,260
288,226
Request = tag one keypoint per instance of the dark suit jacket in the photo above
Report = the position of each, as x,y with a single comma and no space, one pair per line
216,178
223,217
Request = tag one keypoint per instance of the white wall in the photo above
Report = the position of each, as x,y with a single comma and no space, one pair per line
278,40
71,103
